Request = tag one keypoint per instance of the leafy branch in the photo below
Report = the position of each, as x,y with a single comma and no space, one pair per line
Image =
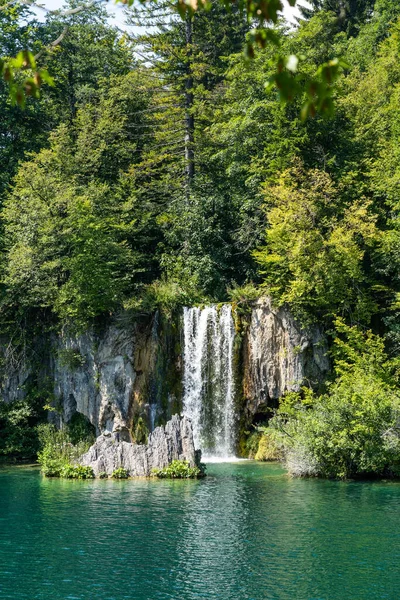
264,14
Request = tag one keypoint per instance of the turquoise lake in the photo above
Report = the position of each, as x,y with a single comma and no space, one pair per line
244,532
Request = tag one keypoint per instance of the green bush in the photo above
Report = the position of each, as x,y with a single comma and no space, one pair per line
251,444
267,448
77,472
353,430
103,475
166,295
120,473
245,294
71,358
57,450
179,469
18,435
80,429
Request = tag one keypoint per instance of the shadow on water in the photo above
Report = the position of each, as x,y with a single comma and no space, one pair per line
246,531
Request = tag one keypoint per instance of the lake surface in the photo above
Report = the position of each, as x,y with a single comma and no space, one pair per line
245,532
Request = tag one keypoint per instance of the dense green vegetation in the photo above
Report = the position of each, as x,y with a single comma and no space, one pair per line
60,448
180,469
353,429
162,169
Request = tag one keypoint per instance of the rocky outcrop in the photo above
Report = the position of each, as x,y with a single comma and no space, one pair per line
165,444
125,374
94,375
279,356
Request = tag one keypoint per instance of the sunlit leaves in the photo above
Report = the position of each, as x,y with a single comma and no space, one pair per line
23,76
318,90
263,13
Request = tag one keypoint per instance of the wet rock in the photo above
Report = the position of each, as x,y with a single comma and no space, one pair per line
280,356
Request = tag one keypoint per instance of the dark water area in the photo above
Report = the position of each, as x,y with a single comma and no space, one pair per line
244,532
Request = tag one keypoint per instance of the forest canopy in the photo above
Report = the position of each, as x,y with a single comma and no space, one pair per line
162,169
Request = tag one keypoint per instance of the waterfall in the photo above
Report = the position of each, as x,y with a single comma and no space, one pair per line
208,381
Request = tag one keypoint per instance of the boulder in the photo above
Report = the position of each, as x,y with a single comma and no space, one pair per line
174,441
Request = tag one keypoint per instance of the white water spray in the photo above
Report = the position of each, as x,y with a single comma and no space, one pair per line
209,387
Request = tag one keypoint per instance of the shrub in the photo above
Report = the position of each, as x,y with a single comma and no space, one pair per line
252,443
77,472
267,448
71,358
245,294
165,295
18,435
120,473
80,429
353,430
179,469
57,450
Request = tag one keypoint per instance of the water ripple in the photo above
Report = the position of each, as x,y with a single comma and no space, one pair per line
245,532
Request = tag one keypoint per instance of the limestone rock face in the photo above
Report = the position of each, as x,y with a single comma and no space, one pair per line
123,375
279,356
94,375
118,376
165,444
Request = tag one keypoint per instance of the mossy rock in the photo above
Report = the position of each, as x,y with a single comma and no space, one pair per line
267,448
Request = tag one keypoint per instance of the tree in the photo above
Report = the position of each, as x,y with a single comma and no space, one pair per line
315,248
351,14
73,228
264,14
21,131
91,53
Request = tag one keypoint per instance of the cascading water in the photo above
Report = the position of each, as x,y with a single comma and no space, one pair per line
208,381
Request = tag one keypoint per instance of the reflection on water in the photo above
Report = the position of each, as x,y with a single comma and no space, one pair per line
245,532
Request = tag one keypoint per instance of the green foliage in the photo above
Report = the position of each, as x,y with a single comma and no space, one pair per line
140,431
57,453
18,435
267,448
351,431
316,245
251,443
91,50
76,472
71,358
69,244
80,429
244,295
350,15
120,473
165,295
179,469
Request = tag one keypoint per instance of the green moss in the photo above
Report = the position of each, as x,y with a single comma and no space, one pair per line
140,431
267,448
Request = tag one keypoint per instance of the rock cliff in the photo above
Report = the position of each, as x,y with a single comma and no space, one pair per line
279,356
125,375
165,444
